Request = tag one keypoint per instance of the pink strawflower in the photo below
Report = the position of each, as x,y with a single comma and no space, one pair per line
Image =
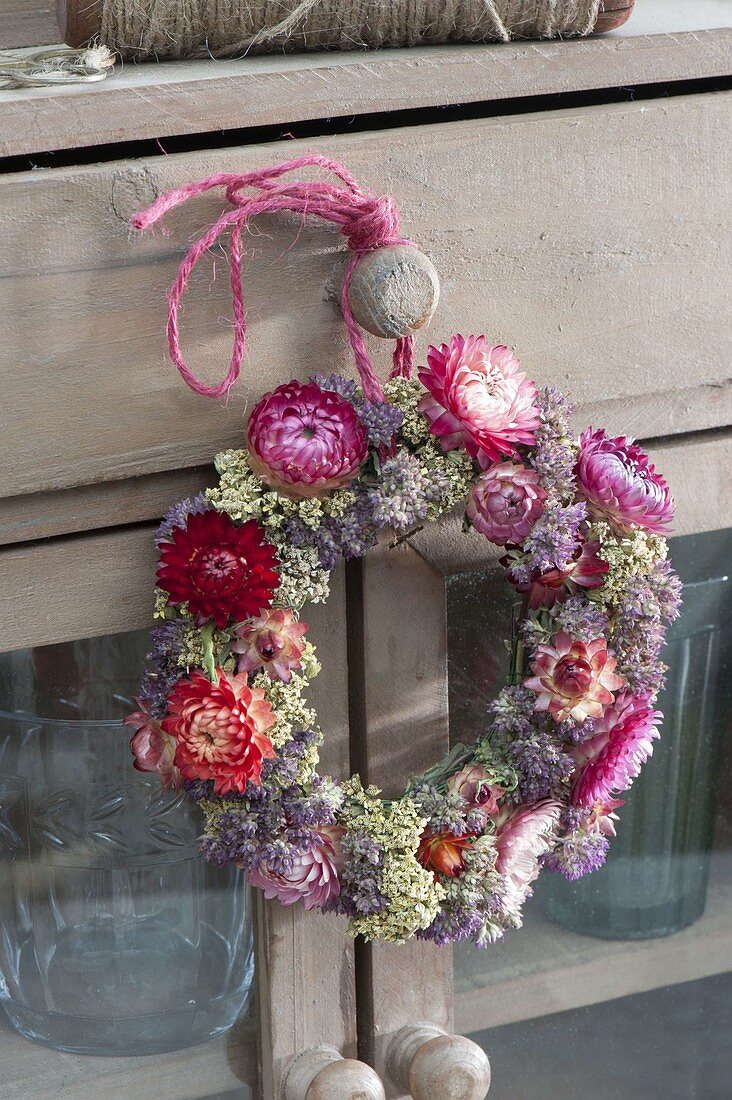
478,398
473,783
506,502
586,570
620,485
573,679
521,839
272,643
220,730
621,743
313,877
304,441
153,748
603,817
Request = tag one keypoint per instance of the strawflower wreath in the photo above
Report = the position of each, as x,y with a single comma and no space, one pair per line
327,467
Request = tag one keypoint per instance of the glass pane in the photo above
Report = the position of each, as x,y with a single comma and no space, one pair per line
117,941
619,985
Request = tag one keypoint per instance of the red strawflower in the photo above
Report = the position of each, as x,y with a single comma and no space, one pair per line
443,852
220,570
220,730
586,570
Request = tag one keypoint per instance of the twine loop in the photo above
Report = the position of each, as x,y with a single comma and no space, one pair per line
366,220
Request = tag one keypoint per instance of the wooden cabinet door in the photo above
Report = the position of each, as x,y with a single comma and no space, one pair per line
612,985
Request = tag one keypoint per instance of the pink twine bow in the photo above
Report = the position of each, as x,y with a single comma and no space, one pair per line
367,221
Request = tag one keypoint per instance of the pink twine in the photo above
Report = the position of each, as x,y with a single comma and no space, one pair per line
367,221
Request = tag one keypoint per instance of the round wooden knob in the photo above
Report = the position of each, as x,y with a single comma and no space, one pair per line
432,1065
346,1080
394,291
322,1073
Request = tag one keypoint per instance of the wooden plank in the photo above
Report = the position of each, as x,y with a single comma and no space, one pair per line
552,969
192,97
614,287
404,723
91,507
27,23
34,1072
697,469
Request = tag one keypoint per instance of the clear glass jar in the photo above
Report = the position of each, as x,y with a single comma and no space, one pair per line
116,937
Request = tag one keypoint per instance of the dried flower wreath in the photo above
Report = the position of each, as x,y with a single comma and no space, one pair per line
327,467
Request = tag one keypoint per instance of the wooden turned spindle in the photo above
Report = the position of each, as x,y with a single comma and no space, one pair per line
322,1073
432,1065
394,291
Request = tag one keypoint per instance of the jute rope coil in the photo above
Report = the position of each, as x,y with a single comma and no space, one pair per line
167,29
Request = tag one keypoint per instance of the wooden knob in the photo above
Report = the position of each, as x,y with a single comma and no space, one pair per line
433,1065
322,1073
394,291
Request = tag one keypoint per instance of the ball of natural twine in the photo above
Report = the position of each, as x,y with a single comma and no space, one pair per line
166,29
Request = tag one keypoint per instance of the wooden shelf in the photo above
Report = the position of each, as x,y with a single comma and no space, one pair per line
546,968
664,41
34,1072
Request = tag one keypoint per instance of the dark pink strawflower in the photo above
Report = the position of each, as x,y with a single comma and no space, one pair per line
621,742
506,501
313,876
620,485
153,748
572,679
304,441
585,570
478,398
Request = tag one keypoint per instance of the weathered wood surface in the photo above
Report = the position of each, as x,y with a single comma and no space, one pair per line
661,43
94,507
224,1065
404,723
27,23
614,290
697,469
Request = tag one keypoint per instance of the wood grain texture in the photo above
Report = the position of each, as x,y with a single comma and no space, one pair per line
615,292
404,709
92,507
697,469
192,97
27,23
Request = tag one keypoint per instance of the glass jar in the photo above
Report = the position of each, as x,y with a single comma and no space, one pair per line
116,937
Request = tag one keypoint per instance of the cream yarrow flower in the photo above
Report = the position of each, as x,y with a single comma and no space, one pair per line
412,892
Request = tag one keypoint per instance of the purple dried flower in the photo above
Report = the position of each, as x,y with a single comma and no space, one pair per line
577,854
381,420
555,451
336,383
177,516
400,500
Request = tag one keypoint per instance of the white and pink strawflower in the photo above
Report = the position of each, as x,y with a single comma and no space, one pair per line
506,501
522,838
273,643
153,748
304,441
478,398
616,478
313,876
621,743
573,679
